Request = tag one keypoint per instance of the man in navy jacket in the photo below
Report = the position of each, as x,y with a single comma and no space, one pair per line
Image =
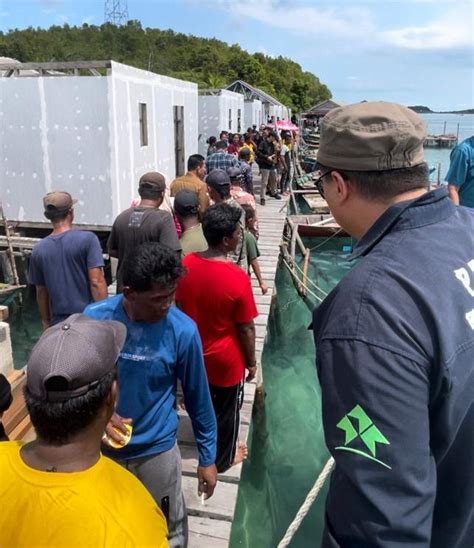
395,340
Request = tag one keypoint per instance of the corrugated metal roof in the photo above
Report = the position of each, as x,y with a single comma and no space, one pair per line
258,93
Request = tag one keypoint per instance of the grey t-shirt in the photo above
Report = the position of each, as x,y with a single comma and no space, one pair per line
137,225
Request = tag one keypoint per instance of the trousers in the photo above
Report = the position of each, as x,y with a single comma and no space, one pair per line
161,475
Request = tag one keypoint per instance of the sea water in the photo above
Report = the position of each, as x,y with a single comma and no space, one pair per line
446,123
287,451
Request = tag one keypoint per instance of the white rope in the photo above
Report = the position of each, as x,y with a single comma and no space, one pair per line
310,280
303,511
300,282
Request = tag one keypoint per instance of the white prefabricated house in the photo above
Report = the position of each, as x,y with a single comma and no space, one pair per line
92,129
219,109
253,113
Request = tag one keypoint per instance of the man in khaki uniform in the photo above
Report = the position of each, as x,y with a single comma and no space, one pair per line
193,181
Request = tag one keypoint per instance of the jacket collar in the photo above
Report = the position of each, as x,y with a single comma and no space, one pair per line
432,207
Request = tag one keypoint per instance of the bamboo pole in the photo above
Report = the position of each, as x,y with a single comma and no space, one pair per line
10,254
304,282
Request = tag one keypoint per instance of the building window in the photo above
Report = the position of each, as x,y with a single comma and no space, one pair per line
143,125
239,118
230,119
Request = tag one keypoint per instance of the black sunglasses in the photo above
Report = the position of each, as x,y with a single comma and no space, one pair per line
319,183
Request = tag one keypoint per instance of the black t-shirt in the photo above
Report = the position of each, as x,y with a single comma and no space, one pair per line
137,225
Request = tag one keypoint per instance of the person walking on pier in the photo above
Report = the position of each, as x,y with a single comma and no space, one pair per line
395,340
58,490
143,223
460,176
162,347
267,161
221,159
186,209
193,181
224,314
67,266
218,183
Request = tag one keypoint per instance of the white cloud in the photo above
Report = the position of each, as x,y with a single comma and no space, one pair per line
455,30
351,27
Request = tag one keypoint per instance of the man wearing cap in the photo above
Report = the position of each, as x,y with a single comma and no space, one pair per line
59,490
395,340
67,266
193,181
218,183
221,159
162,348
143,223
460,176
186,207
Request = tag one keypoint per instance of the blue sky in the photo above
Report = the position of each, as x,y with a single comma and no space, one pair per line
413,52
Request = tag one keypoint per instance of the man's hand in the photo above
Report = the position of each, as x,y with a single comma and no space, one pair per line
252,372
264,288
207,478
115,428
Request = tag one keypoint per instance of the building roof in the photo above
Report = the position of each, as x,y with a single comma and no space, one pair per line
322,108
250,92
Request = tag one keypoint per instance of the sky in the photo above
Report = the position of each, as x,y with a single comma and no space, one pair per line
416,52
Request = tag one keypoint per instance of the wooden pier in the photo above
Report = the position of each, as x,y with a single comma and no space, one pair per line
210,524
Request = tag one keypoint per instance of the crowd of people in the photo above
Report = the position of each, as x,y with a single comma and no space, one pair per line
394,351
186,312
269,149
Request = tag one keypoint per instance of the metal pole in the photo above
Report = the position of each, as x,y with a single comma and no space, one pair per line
444,128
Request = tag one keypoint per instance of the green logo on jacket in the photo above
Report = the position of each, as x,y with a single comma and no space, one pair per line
357,424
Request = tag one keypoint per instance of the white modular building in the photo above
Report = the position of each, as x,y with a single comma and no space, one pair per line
91,129
219,109
253,113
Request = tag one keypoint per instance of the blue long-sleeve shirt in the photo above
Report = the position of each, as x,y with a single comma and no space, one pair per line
395,359
152,360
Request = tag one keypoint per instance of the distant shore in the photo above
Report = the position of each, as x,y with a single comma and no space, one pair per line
420,109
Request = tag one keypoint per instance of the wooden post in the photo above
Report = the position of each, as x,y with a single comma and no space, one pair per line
305,270
10,253
444,128
457,133
439,173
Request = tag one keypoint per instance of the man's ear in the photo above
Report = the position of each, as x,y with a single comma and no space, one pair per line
341,186
128,293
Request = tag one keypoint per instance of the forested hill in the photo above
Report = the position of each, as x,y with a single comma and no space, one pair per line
208,62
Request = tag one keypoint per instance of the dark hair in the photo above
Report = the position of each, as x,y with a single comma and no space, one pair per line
223,132
195,161
220,221
222,190
151,263
250,212
272,134
212,140
149,193
56,214
58,422
247,136
385,185
244,153
221,145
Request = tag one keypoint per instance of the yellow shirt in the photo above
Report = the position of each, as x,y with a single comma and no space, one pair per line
104,506
193,183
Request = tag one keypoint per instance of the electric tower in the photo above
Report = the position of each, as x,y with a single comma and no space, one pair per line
116,12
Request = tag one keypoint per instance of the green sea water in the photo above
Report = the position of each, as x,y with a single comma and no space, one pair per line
286,442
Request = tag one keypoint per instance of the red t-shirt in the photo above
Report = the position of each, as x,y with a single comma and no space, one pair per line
217,295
